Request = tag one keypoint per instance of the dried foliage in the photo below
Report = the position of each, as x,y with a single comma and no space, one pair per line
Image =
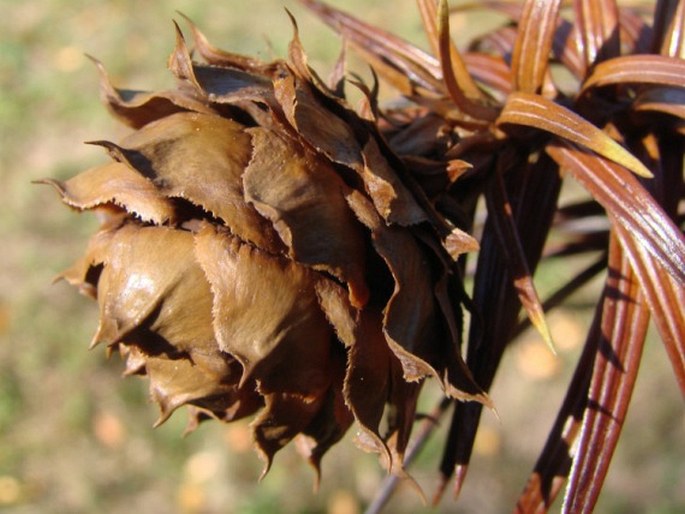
267,250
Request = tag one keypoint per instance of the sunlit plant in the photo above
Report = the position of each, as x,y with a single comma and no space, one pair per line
268,250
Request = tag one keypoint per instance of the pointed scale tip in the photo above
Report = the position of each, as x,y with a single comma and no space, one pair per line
543,329
267,466
459,476
94,342
185,17
440,491
95,61
293,20
164,415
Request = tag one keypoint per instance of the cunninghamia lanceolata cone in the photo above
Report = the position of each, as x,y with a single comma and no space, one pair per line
263,253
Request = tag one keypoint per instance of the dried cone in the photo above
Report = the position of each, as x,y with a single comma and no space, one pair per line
262,253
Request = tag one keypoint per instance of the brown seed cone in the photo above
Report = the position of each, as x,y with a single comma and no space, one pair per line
263,252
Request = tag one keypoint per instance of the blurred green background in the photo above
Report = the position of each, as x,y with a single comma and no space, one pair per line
75,437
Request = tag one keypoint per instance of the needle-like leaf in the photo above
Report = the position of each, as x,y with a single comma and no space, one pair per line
429,16
500,210
666,298
454,78
629,204
538,112
630,69
664,294
533,44
554,463
625,319
669,28
598,27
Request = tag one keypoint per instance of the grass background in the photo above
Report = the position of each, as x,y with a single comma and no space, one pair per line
74,437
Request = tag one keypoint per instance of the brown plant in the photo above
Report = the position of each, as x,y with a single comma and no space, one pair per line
267,250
